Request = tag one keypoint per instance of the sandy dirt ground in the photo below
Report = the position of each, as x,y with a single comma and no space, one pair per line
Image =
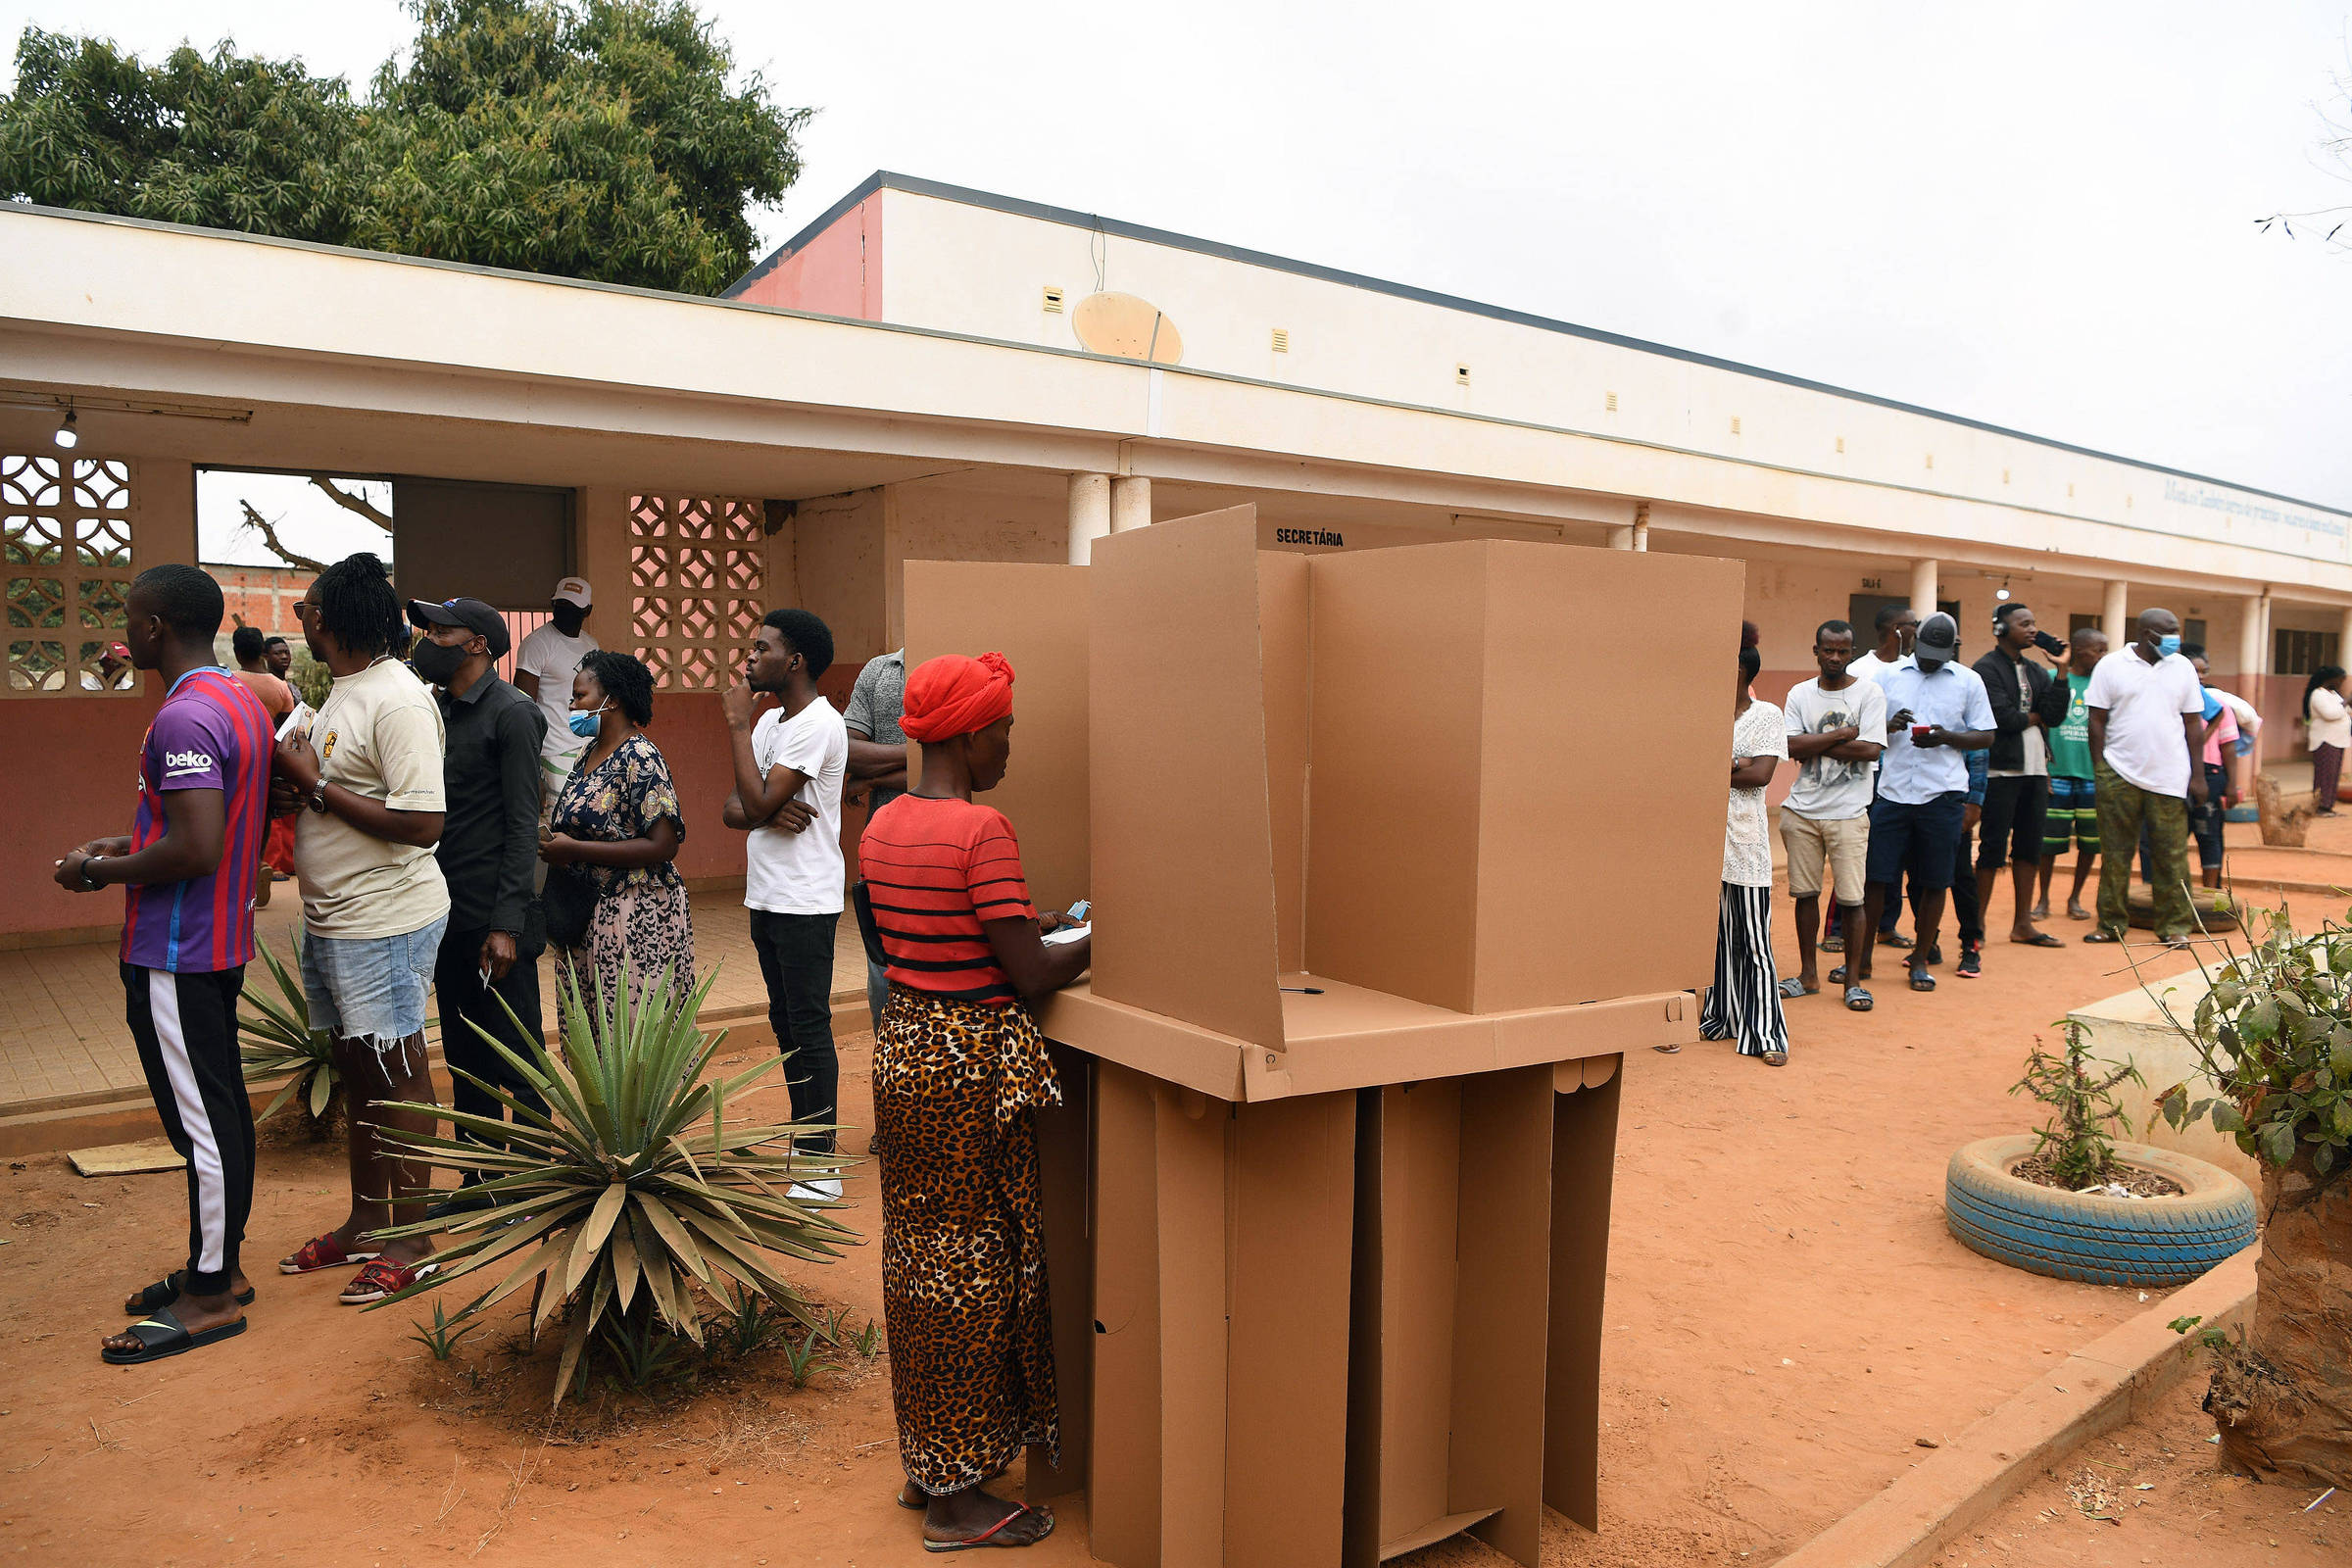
2155,1493
1787,1316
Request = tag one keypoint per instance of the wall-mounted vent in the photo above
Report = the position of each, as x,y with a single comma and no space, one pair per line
1841,443
1735,425
2004,476
1282,340
1053,301
2070,492
1931,460
1613,403
1461,376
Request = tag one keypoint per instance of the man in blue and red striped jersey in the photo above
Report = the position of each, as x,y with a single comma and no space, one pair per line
189,867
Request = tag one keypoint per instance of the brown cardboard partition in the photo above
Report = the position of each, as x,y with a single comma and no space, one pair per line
1036,616
1327,1205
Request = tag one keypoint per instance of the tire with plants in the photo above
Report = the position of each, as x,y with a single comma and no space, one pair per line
2099,1239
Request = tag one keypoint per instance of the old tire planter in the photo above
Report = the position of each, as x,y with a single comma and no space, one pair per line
2100,1240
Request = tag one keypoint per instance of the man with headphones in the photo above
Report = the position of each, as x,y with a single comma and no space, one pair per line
2026,704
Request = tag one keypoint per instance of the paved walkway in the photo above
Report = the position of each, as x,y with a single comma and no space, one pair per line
63,1040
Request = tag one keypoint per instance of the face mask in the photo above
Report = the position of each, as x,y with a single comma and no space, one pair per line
436,664
586,725
2168,645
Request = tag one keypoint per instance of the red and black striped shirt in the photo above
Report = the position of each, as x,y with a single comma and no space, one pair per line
934,870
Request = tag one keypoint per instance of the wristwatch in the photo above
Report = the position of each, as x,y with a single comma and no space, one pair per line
89,883
317,797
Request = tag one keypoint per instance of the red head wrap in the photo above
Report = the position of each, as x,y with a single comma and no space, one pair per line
952,695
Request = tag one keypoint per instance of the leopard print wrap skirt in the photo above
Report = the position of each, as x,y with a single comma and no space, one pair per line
963,1258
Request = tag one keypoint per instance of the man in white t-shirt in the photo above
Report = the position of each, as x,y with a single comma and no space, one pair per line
1836,728
789,769
543,669
1896,626
2147,732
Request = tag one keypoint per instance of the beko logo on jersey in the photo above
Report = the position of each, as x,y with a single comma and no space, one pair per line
178,762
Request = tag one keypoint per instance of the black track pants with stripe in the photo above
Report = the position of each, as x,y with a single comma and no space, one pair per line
186,1029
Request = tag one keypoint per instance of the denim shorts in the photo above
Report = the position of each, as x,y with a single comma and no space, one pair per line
369,988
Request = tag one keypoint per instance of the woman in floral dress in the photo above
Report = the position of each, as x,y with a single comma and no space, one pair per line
616,816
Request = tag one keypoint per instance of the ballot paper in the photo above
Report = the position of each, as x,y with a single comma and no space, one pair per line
1066,935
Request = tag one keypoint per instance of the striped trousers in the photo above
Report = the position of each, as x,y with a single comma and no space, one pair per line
1744,1002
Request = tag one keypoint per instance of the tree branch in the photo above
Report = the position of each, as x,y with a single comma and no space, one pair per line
277,545
359,506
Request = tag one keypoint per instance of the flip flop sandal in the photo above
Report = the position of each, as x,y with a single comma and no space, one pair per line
1832,944
162,1334
1890,938
2041,938
987,1537
1793,988
1776,1058
321,1251
2100,936
164,1292
1837,975
380,1277
1921,980
1857,1000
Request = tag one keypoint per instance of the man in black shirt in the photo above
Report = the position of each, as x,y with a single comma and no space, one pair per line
2026,704
489,849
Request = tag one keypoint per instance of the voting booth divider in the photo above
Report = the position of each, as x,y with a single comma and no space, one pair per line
1393,853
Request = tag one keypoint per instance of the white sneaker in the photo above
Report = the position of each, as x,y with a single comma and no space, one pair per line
820,1190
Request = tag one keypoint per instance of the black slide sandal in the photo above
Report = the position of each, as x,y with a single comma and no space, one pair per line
163,1334
164,1292
1921,980
1857,1000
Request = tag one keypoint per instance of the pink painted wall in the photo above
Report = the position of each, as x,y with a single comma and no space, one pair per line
88,789
839,272
692,732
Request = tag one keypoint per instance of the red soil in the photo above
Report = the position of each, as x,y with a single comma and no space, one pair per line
1787,1315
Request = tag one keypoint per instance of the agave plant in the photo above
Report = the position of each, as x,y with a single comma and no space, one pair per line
276,1038
634,1189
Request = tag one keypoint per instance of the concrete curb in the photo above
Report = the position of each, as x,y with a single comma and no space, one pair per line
2095,1389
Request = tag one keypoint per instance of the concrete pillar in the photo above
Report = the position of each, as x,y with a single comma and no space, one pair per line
2253,639
2112,613
1622,538
1923,588
1130,503
1090,514
1640,526
2343,638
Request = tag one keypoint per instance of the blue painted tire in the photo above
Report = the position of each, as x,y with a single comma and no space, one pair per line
2147,1241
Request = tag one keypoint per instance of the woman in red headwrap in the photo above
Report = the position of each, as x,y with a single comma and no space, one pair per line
959,1069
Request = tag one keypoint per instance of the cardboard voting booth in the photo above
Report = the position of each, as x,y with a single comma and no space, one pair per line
1393,853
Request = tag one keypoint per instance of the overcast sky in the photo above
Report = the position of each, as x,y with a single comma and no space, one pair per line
2037,215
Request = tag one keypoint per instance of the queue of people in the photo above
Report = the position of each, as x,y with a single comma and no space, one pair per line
449,827
1918,772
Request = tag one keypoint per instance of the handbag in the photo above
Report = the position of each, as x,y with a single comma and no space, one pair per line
568,904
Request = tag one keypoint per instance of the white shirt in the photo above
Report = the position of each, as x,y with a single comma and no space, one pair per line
800,873
2330,723
1868,665
1827,788
555,658
1746,840
2144,702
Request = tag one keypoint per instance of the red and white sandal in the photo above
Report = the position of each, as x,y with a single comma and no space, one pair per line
321,1252
381,1277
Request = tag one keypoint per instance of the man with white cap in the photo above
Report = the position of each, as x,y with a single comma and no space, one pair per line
543,667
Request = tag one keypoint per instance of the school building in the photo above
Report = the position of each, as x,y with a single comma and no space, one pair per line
933,373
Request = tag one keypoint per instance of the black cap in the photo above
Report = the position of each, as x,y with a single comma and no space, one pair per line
471,614
1938,637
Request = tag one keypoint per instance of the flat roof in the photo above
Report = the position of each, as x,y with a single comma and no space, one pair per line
917,185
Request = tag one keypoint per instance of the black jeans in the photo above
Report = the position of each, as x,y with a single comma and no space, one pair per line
796,959
464,1003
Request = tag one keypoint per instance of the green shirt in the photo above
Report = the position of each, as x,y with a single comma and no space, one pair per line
2070,742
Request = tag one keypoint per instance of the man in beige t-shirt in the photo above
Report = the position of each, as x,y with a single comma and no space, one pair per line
367,782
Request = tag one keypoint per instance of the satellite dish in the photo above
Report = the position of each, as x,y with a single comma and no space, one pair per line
1128,327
